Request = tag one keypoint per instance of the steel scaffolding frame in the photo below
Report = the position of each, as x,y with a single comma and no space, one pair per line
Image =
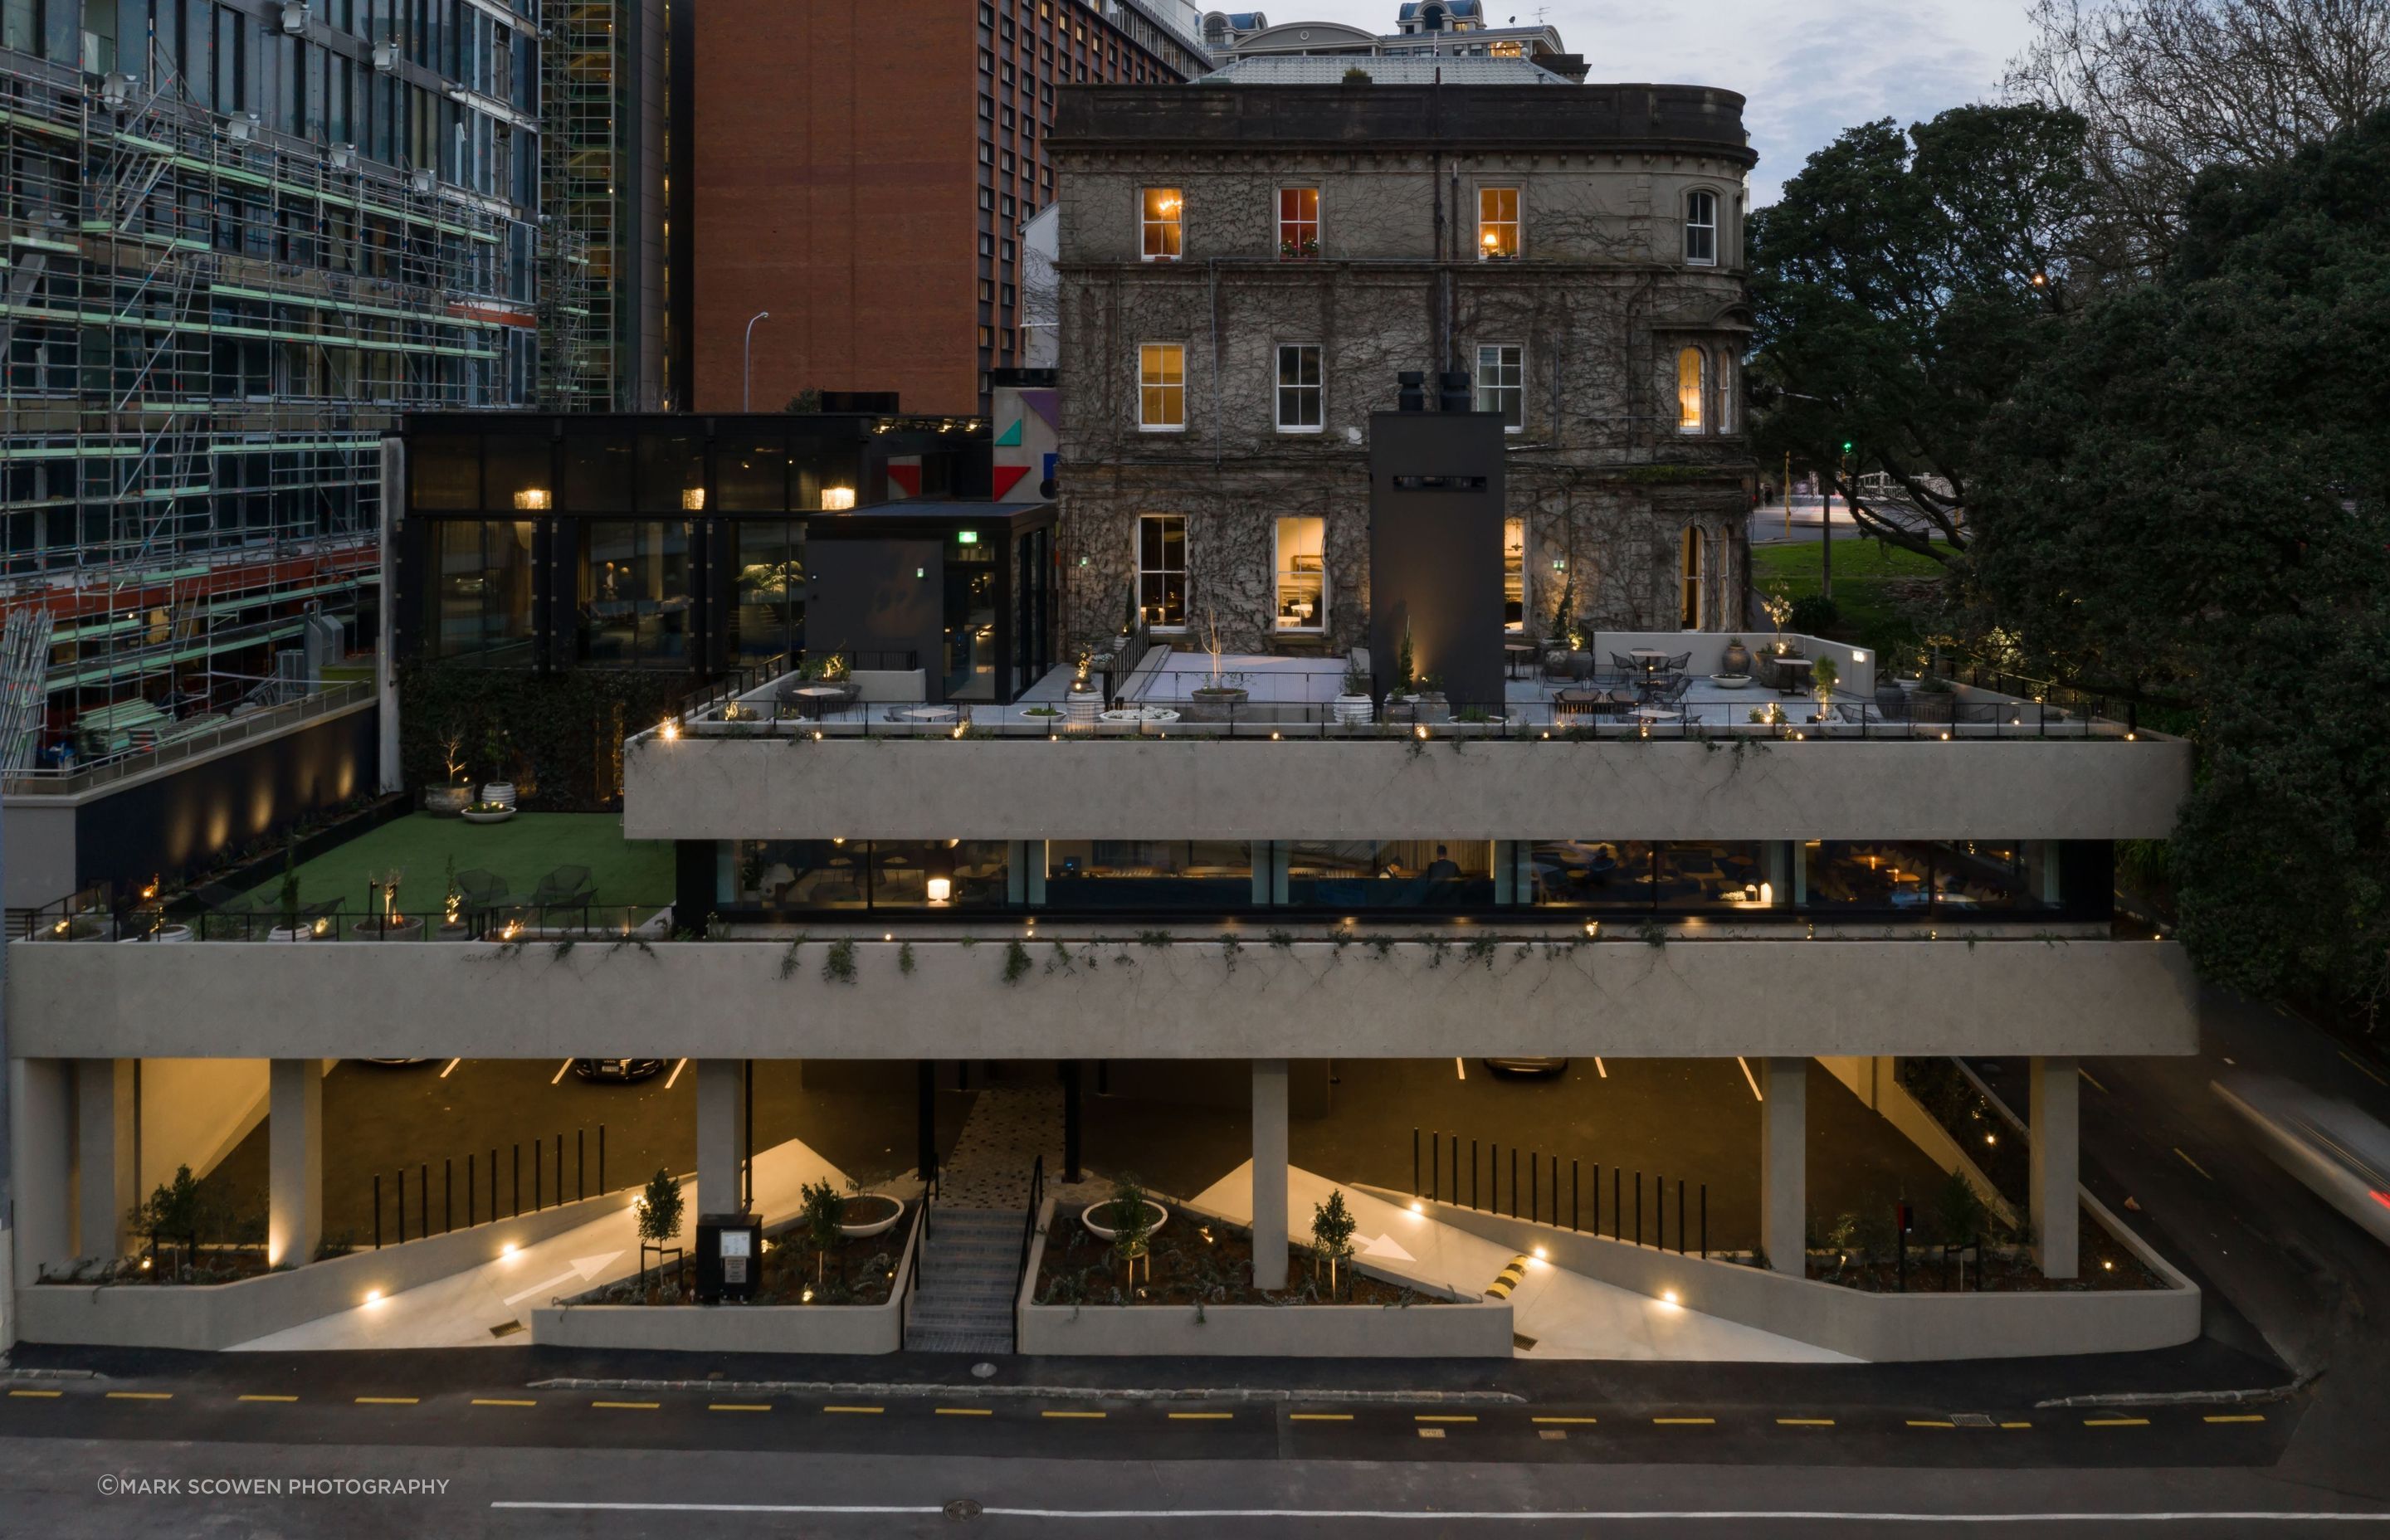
581,148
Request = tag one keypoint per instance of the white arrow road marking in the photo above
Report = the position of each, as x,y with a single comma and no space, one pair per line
583,1268
1384,1247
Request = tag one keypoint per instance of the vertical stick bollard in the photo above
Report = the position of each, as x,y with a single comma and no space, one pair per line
538,1176
602,1188
1472,1173
1680,1216
1556,1177
1534,1212
376,1210
517,1181
1639,1208
447,1193
1514,1181
1705,1220
402,1207
580,1163
470,1190
1415,1148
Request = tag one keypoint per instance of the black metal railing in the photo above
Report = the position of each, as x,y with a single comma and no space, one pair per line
521,924
920,1254
1028,1238
484,1196
1441,1180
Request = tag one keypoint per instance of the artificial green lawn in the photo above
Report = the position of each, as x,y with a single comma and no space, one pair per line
1868,576
522,850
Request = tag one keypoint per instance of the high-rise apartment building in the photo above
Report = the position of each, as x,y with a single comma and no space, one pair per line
862,170
242,237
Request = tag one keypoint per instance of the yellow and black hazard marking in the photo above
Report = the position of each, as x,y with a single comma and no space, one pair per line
1501,1286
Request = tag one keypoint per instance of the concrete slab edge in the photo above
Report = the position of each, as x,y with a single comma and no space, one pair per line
2260,1396
1039,1393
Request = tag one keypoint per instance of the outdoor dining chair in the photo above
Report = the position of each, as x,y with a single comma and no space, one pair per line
565,888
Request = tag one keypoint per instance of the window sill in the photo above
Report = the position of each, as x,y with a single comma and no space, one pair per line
1301,433
1161,427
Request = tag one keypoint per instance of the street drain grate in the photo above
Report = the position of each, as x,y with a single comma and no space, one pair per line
505,1328
963,1508
1972,1419
1523,1343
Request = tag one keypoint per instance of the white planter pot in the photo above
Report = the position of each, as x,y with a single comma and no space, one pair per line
1081,706
501,792
873,1226
304,932
1087,1217
1355,711
494,815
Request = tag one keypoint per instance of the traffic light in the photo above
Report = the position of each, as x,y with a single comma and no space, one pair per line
1846,446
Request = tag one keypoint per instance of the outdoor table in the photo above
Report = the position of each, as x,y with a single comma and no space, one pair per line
812,699
928,713
1657,713
1791,676
1516,655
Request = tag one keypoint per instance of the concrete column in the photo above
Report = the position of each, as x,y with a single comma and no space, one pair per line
1784,1163
294,1141
41,1134
1269,1173
107,1176
721,1140
2055,1137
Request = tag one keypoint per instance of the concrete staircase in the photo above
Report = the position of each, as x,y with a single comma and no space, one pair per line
968,1271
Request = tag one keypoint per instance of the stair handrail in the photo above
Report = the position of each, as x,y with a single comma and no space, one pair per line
920,1253
1028,1236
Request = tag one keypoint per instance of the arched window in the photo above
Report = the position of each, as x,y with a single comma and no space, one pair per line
1701,228
1690,586
1690,386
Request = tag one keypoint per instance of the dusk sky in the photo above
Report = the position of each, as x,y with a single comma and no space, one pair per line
1809,70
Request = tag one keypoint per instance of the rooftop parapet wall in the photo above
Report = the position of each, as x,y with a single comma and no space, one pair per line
1116,999
1627,115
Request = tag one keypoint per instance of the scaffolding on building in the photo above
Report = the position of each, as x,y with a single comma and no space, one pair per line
207,327
581,149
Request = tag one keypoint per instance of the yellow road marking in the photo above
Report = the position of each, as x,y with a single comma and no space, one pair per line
1444,1417
1685,1421
479,1401
2192,1164
628,1405
2016,1424
1804,1422
386,1399
1927,1422
141,1395
2236,1417
2363,1067
1201,1416
865,1411
2115,1423
739,1407
966,1411
2093,1079
269,1398
1290,1416
39,1395
1572,1421
1092,1417
1431,1432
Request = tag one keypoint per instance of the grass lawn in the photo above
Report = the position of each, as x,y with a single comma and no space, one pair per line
1873,583
522,850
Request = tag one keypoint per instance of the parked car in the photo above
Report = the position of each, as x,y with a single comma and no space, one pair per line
398,1061
622,1070
1527,1066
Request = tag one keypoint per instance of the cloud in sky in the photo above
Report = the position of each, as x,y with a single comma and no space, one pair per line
1808,68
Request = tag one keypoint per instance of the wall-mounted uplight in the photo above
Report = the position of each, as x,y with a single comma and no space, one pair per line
531,500
837,499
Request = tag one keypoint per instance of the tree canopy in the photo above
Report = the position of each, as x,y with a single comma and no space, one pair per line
1901,287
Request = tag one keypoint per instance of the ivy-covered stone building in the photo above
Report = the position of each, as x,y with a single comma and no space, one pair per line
1245,270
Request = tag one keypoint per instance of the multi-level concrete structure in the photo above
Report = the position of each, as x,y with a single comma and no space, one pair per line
862,170
241,239
1245,270
1443,30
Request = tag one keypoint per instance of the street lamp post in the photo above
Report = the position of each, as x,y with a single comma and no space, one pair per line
747,362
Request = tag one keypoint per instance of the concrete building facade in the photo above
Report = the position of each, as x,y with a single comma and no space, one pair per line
1245,271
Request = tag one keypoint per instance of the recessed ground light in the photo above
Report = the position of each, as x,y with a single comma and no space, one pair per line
373,1296
507,1249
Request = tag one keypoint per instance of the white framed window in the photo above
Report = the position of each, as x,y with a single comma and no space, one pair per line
1701,228
1302,574
1162,387
1300,392
1691,613
1162,227
1691,390
1502,383
1514,574
1497,223
1298,223
1162,571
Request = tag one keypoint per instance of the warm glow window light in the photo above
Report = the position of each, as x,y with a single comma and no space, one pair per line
532,499
837,499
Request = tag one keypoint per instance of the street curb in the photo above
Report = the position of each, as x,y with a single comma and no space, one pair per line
51,1374
2189,1398
1027,1393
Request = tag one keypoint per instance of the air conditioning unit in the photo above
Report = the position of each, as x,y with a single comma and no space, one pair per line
294,17
385,58
116,91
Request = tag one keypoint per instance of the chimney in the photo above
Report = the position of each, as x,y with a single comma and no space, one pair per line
1410,394
1452,394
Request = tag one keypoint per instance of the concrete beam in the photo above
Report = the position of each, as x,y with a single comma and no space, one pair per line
41,1134
1784,1164
1269,1173
107,1176
2055,1135
721,1135
1189,787
294,1137
730,1000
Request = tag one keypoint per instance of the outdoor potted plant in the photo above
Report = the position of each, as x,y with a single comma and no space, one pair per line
1823,679
386,922
453,924
823,1214
490,810
1354,707
1083,703
1428,703
1332,1236
1219,699
292,926
1128,1211
499,790
867,1213
455,790
1735,661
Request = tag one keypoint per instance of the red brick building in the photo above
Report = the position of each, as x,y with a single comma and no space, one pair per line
861,170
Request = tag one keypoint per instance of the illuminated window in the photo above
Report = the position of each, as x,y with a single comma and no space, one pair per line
1162,387
1298,222
1302,574
1688,391
1514,574
1690,611
1502,383
1701,228
1162,570
1498,221
1300,406
1162,225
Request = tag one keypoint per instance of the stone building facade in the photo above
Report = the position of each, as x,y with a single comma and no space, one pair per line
1245,270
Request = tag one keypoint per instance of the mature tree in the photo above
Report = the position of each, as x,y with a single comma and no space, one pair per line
2192,497
2170,87
1900,286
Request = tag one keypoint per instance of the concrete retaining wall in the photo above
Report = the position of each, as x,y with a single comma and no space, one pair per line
1459,1330
1870,1079
212,1316
1877,1328
843,1328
